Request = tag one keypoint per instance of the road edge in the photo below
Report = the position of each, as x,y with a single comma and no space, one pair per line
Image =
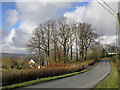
104,77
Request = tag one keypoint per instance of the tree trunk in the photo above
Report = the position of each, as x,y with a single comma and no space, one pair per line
67,55
46,60
48,51
82,50
55,52
71,52
76,51
64,52
58,53
85,53
39,58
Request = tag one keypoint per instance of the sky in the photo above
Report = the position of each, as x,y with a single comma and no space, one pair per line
20,18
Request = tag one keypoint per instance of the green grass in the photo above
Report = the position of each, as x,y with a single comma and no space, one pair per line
40,80
112,80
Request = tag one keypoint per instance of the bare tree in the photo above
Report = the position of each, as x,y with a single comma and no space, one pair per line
76,42
80,35
73,36
89,37
64,35
86,36
96,50
34,44
59,36
54,38
41,40
47,31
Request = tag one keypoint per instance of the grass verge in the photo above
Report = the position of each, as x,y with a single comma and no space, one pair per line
112,80
40,80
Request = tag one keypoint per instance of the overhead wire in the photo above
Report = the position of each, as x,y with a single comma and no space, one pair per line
113,15
109,7
106,8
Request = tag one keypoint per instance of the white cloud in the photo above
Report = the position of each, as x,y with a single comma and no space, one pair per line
12,18
56,0
77,14
23,33
9,38
31,14
108,39
7,44
38,12
96,15
101,19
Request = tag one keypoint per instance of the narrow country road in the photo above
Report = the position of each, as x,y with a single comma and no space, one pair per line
85,80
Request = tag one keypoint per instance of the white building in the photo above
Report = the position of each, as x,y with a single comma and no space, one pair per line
31,61
112,53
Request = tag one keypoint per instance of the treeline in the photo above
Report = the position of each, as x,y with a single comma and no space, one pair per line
62,37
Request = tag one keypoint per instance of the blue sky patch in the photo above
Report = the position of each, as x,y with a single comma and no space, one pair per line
5,7
12,6
73,7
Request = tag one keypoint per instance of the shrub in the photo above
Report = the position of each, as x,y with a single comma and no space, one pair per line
17,76
114,59
53,65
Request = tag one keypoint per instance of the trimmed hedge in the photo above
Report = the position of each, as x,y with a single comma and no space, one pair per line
18,76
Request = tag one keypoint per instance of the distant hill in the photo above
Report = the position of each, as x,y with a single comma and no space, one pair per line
12,54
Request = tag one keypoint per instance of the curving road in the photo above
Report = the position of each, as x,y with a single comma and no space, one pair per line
85,80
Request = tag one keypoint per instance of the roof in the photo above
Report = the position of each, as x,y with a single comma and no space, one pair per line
31,61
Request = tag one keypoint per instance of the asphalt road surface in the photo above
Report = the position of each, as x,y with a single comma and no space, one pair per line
88,79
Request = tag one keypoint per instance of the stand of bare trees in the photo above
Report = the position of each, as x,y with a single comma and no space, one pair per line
60,37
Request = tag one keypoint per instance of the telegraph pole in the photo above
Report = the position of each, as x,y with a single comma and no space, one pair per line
118,16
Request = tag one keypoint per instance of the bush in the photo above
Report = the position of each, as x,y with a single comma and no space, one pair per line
54,65
17,76
114,59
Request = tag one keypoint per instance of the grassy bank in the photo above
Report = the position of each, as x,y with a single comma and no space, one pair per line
119,71
40,80
112,80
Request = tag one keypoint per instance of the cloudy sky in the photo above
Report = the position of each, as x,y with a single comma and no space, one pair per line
20,18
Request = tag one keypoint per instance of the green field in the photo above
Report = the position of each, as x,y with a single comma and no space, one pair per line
112,80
